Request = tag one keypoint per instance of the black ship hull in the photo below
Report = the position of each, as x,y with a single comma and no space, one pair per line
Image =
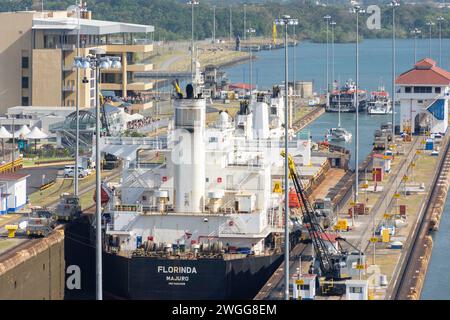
164,278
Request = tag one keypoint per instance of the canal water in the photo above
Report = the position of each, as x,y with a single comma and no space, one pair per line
375,70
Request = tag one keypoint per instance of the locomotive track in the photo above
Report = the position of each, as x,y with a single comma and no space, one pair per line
402,285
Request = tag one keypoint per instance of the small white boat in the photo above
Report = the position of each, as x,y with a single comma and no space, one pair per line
379,102
339,134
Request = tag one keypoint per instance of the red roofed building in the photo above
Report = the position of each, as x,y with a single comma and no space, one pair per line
423,95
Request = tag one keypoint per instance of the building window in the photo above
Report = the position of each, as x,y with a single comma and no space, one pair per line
25,101
24,82
304,287
423,90
25,62
407,89
419,101
437,90
355,290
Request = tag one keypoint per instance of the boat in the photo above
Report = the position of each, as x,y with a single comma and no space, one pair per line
339,135
343,99
207,221
379,102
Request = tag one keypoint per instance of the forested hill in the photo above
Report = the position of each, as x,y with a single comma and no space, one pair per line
172,18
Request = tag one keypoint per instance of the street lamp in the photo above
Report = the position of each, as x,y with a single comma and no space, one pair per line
430,24
77,9
440,20
357,10
214,25
415,32
245,21
96,62
332,24
231,25
286,21
394,4
192,3
251,31
327,19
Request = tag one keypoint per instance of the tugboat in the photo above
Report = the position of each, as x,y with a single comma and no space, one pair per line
343,100
380,102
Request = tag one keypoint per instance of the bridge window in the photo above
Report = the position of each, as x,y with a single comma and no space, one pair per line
423,90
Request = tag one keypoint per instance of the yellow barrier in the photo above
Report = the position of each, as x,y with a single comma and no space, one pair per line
11,166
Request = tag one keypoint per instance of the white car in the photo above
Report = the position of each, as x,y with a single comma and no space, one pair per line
69,172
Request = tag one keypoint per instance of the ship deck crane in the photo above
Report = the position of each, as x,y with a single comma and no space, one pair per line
330,262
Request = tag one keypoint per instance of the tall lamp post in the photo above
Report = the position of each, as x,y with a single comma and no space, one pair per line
332,24
245,21
440,20
251,31
286,21
327,19
192,3
97,62
415,32
394,4
214,25
77,9
357,10
231,25
430,24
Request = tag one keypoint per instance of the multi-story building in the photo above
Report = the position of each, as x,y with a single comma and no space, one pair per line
37,52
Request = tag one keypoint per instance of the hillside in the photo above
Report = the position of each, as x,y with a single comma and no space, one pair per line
172,18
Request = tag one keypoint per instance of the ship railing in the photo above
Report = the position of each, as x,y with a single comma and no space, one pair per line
155,143
128,207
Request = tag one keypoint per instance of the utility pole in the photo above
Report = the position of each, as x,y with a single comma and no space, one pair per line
286,20
394,5
192,3
415,32
231,25
214,25
430,24
440,20
245,21
327,19
357,9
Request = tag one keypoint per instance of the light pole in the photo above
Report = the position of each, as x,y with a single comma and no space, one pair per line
327,19
192,3
333,24
251,31
415,33
357,10
440,20
77,8
430,24
231,25
394,4
214,25
245,21
286,21
96,62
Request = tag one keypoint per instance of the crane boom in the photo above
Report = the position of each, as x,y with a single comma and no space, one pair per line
329,262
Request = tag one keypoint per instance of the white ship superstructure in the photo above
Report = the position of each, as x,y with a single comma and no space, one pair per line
215,185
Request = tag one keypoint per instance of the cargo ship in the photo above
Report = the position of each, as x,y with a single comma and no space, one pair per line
202,221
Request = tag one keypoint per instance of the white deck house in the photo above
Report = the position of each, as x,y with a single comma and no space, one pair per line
424,94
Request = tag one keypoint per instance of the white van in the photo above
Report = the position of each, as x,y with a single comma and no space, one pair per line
69,171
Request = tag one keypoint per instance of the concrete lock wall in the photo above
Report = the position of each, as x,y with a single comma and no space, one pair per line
35,273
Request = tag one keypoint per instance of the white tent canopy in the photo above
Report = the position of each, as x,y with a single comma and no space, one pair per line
23,131
5,134
36,134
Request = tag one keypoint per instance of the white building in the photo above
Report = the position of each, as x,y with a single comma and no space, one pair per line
13,188
424,94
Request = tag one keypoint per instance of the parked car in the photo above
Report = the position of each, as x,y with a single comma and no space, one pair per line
69,172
